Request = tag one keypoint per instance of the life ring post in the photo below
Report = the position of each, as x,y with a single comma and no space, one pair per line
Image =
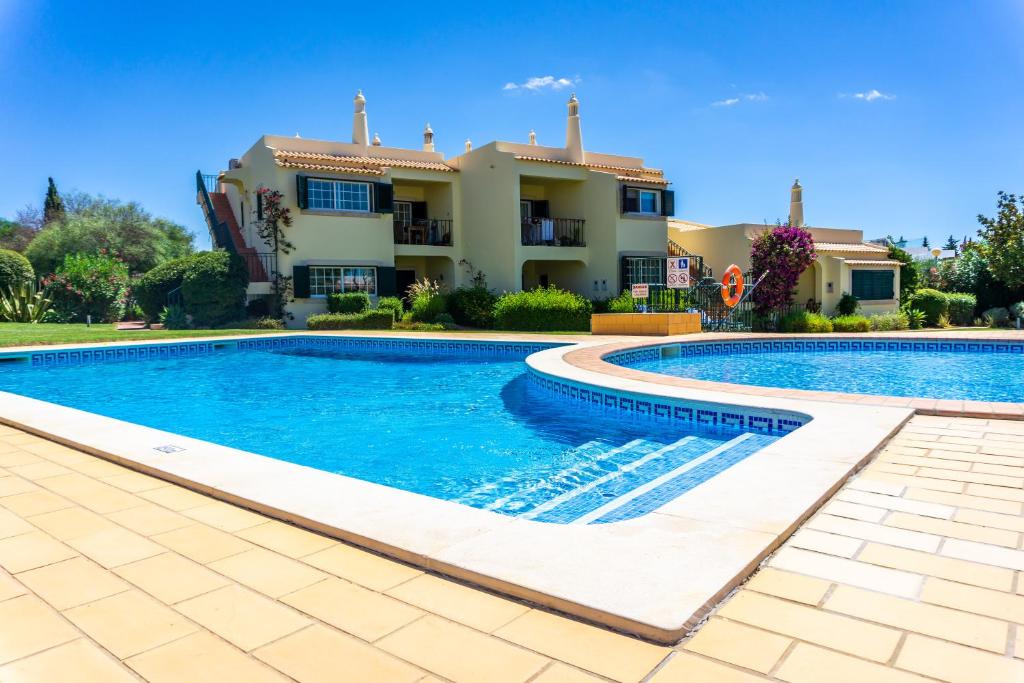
732,277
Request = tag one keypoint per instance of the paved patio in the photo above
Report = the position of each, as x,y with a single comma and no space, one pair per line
912,572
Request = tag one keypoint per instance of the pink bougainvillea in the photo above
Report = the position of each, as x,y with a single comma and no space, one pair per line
783,252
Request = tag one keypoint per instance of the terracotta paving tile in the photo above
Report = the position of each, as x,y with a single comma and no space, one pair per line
202,543
286,539
79,661
997,604
472,607
363,613
30,626
319,654
72,522
201,658
31,550
936,565
224,517
129,623
461,654
789,586
150,519
362,567
956,663
735,643
171,578
72,582
687,668
242,617
267,572
809,664
116,546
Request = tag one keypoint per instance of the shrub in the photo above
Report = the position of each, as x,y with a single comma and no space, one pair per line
22,304
422,327
367,320
542,309
151,289
445,319
780,254
931,302
93,285
889,322
213,287
391,303
174,317
996,317
805,321
909,277
427,305
847,305
258,308
15,270
915,318
623,303
267,323
851,323
472,306
961,308
350,302
1017,310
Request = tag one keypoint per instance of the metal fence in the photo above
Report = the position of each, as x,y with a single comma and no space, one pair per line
705,297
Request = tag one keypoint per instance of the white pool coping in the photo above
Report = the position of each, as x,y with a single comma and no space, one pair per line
655,576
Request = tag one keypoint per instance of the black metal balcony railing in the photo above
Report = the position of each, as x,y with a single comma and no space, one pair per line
220,236
211,182
554,232
261,265
435,232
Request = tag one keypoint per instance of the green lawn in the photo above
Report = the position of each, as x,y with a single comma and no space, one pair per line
26,334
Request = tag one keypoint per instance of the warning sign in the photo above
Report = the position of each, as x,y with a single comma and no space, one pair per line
678,273
640,291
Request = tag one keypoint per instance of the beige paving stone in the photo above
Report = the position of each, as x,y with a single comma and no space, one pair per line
97,467
72,522
30,626
79,661
9,587
34,503
18,457
924,461
31,550
171,578
919,617
150,519
986,467
175,498
686,668
809,664
973,477
352,608
319,654
788,585
461,654
963,500
841,570
814,626
115,546
1018,645
470,606
997,492
38,470
882,533
902,482
202,543
990,519
11,485
562,673
1005,606
986,554
897,503
865,513
876,485
268,572
201,658
90,493
13,525
830,544
609,654
242,617
936,565
224,517
129,623
891,467
134,482
956,663
362,567
72,582
286,539
735,643
942,527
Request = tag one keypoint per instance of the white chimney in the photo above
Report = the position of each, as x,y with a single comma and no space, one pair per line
533,137
573,134
796,204
469,145
428,139
360,129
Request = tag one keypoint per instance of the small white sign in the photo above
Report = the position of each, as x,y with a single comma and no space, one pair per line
678,272
640,291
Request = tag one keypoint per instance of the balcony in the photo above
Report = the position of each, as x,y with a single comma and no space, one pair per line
554,232
435,232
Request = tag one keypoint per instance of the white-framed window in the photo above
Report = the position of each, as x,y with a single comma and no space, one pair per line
403,213
639,200
324,280
339,195
644,270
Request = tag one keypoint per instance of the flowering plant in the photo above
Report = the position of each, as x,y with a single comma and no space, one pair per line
781,254
270,228
89,285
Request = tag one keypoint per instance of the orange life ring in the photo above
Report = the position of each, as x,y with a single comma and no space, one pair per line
732,272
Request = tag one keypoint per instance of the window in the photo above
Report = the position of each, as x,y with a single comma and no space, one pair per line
324,280
649,201
638,200
403,213
338,195
872,285
644,270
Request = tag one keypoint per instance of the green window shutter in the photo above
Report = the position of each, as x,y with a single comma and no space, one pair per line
872,285
630,200
668,203
383,198
302,191
259,206
300,282
387,284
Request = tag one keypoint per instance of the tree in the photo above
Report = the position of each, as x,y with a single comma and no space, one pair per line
901,242
924,242
909,276
14,235
53,205
951,244
1003,237
781,254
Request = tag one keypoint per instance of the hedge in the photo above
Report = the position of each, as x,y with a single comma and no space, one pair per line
961,308
391,303
426,307
14,270
851,323
472,306
804,321
932,303
543,308
889,322
350,302
151,289
213,287
367,320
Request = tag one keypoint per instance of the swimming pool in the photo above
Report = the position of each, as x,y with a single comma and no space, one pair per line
980,371
467,425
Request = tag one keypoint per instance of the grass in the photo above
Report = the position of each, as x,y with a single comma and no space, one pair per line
28,334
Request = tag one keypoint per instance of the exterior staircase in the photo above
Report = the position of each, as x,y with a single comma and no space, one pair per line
225,232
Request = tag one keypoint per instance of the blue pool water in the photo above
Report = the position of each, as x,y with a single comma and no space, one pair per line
472,429
958,375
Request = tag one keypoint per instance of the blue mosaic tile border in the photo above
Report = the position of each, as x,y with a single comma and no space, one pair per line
109,354
700,414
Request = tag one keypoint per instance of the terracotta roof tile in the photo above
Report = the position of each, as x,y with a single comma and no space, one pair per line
850,247
328,167
871,262
329,161
594,167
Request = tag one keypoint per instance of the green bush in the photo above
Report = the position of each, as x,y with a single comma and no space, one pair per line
1017,311
391,303
931,302
961,308
427,305
445,319
889,322
14,270
367,320
151,289
472,306
851,323
89,285
915,318
213,288
847,305
542,309
422,327
805,321
21,303
996,317
174,317
623,303
350,302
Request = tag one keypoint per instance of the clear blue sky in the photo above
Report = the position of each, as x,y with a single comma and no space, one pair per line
898,117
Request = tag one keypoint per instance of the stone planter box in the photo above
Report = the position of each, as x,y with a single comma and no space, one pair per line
645,323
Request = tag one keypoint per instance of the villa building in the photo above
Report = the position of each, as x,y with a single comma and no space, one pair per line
845,263
372,218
